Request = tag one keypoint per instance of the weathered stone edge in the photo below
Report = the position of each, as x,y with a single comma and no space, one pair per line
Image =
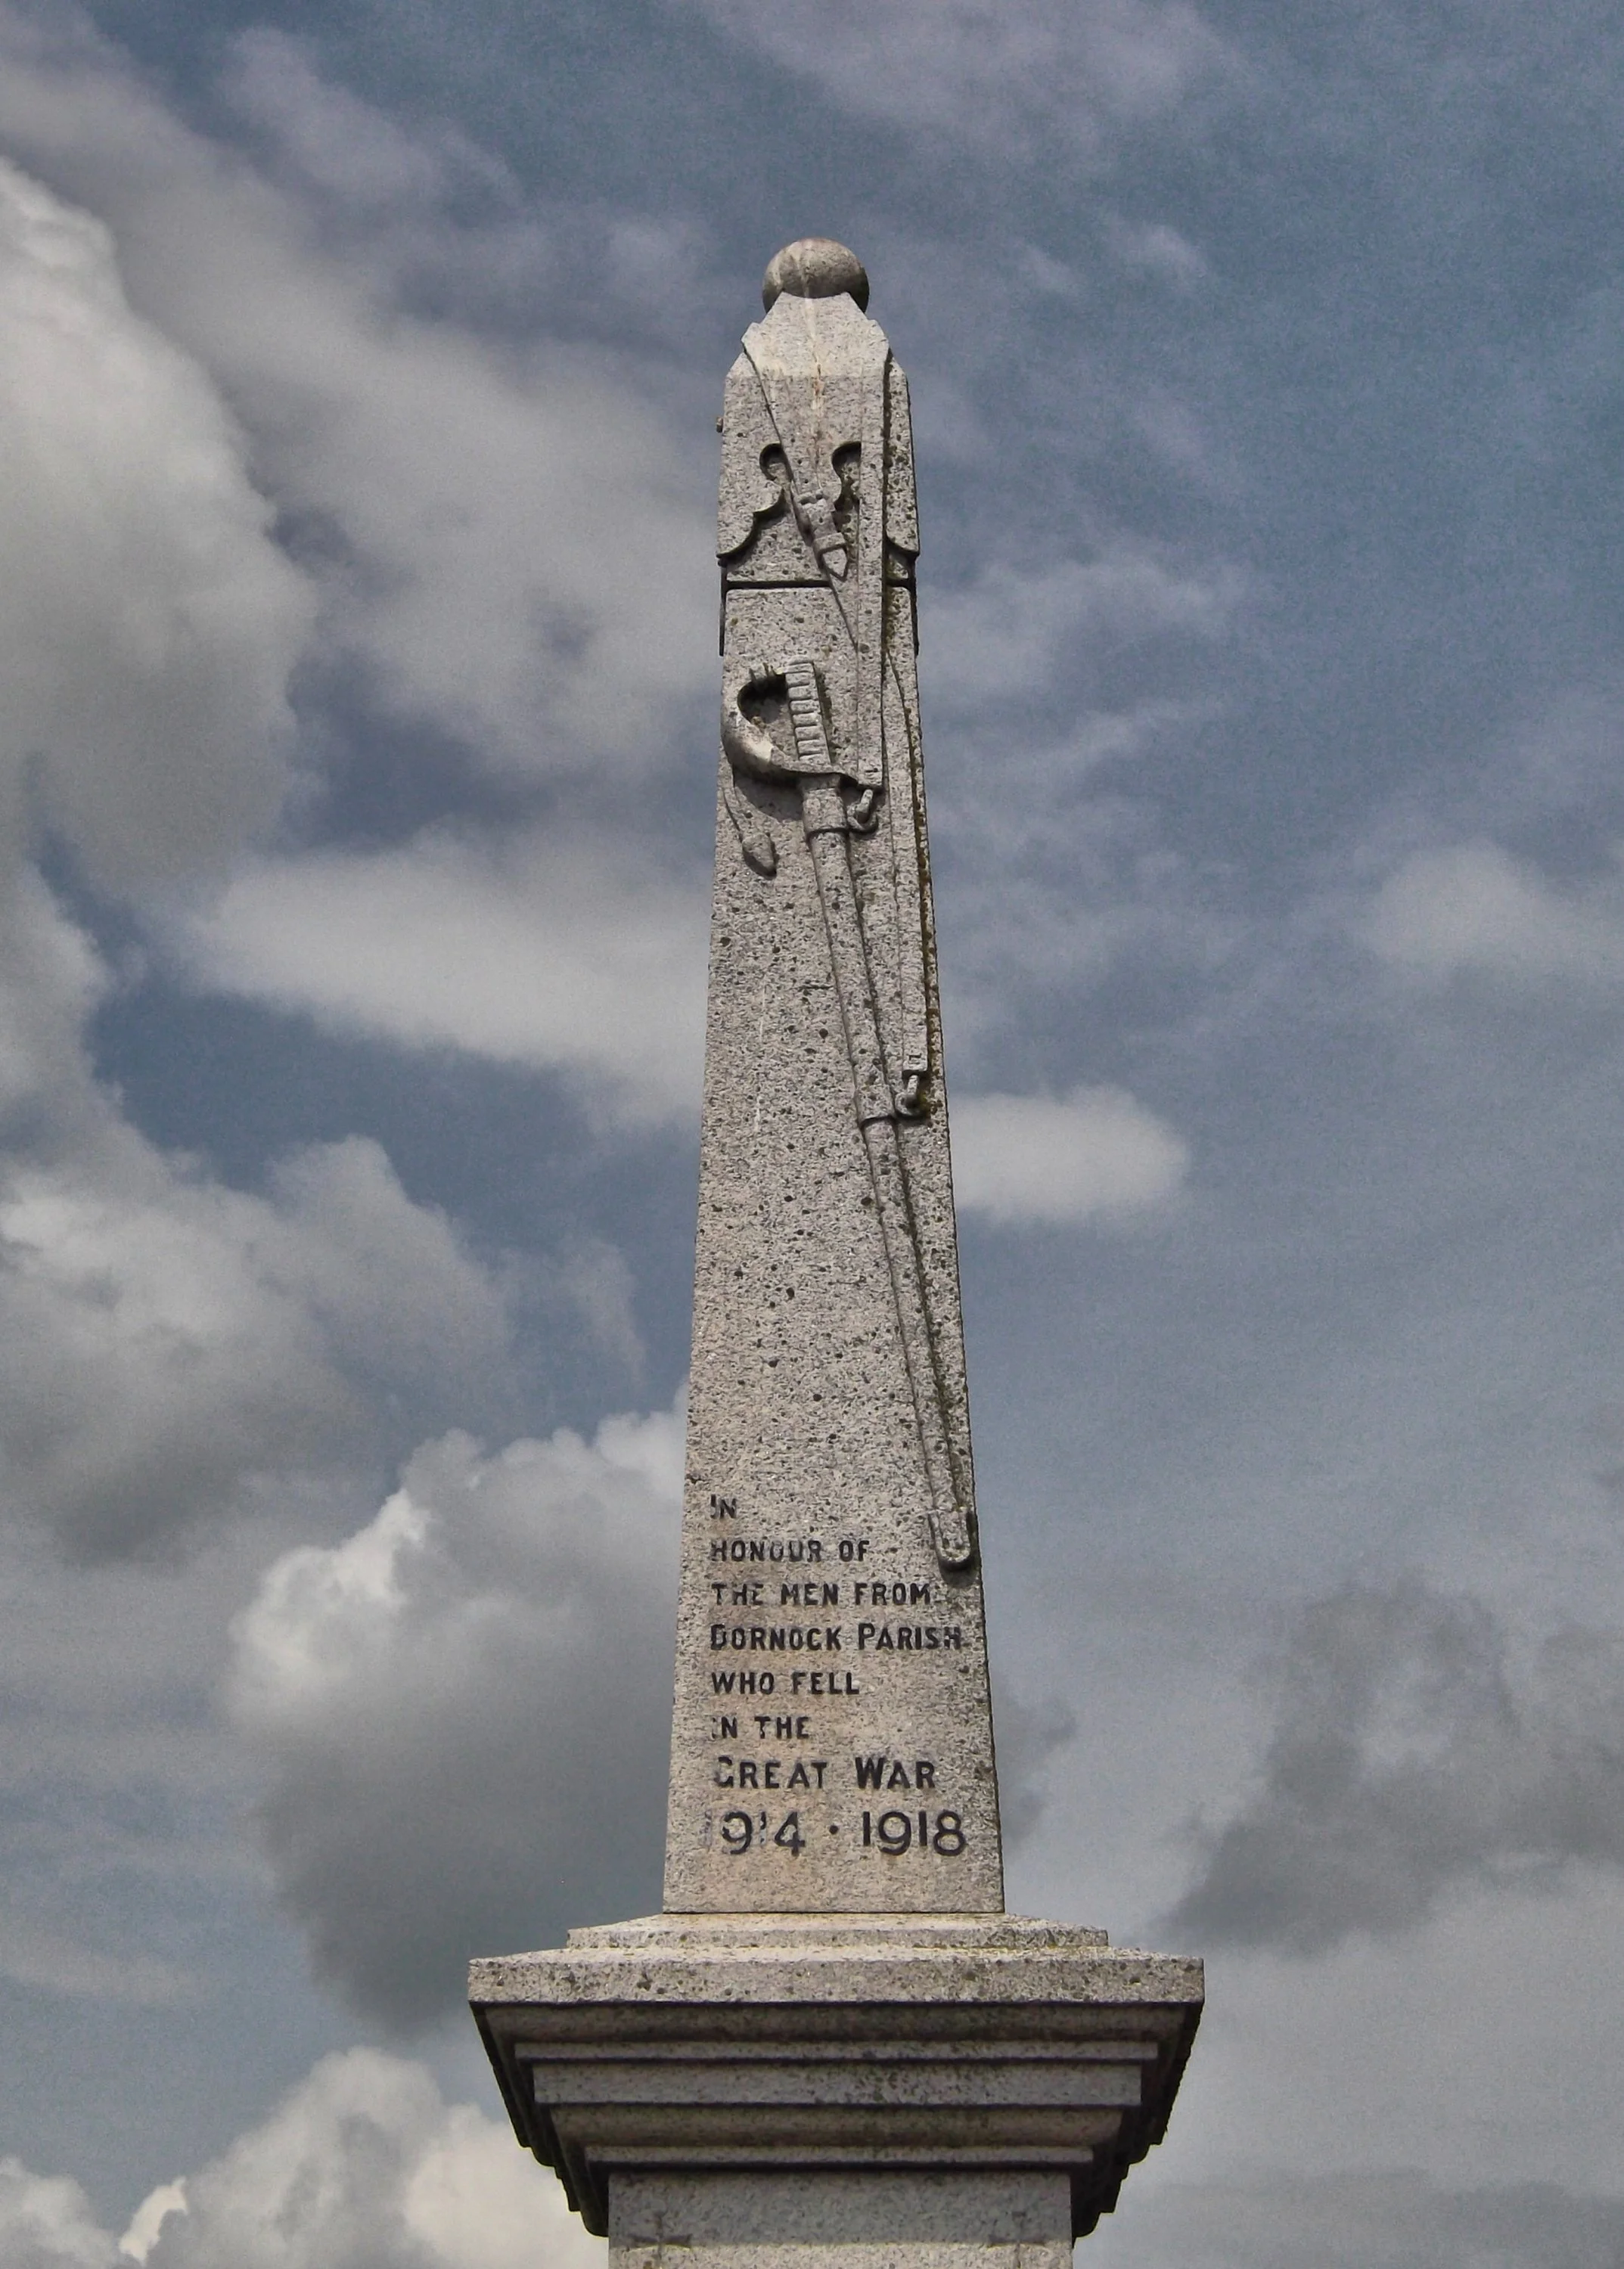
1117,1976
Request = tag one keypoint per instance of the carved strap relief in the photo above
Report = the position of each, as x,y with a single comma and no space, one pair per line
832,1741
844,731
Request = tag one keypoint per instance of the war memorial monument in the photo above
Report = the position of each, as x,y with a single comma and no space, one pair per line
832,2049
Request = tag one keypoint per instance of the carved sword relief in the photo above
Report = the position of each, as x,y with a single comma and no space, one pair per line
815,697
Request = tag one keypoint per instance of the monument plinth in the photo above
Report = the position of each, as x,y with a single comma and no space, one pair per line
833,2035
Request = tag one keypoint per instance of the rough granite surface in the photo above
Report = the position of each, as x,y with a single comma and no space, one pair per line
802,2221
837,2046
804,1959
832,1742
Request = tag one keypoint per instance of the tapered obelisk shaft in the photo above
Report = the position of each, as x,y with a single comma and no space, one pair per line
832,1745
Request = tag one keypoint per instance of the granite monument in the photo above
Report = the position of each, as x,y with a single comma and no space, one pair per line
833,2037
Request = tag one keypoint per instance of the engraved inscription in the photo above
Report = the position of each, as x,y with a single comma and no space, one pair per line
891,1772
769,1772
778,1638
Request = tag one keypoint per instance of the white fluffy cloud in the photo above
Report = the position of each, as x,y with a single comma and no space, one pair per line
462,1710
500,540
1475,907
536,952
502,531
1034,1160
148,628
362,2166
174,1346
172,1342
46,2222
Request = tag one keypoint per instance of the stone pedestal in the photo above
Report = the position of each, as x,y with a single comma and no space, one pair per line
880,2083
875,2220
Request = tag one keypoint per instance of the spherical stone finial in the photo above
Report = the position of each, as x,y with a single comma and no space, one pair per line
814,268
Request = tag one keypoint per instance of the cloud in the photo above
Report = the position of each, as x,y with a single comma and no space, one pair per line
1406,1760
1156,248
46,2222
179,1350
499,540
150,2217
362,2166
571,955
1475,907
145,646
1061,877
991,74
1029,1160
51,978
1028,1735
1376,2219
506,540
49,1961
461,1713
1009,632
173,1343
313,132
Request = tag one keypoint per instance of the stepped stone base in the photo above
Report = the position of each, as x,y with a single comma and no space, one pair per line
795,2083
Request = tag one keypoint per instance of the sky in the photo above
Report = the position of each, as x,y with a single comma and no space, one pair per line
358,695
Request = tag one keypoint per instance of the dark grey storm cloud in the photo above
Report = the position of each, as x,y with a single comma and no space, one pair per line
1395,2220
1409,1755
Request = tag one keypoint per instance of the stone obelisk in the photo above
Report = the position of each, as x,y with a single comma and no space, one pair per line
832,2037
